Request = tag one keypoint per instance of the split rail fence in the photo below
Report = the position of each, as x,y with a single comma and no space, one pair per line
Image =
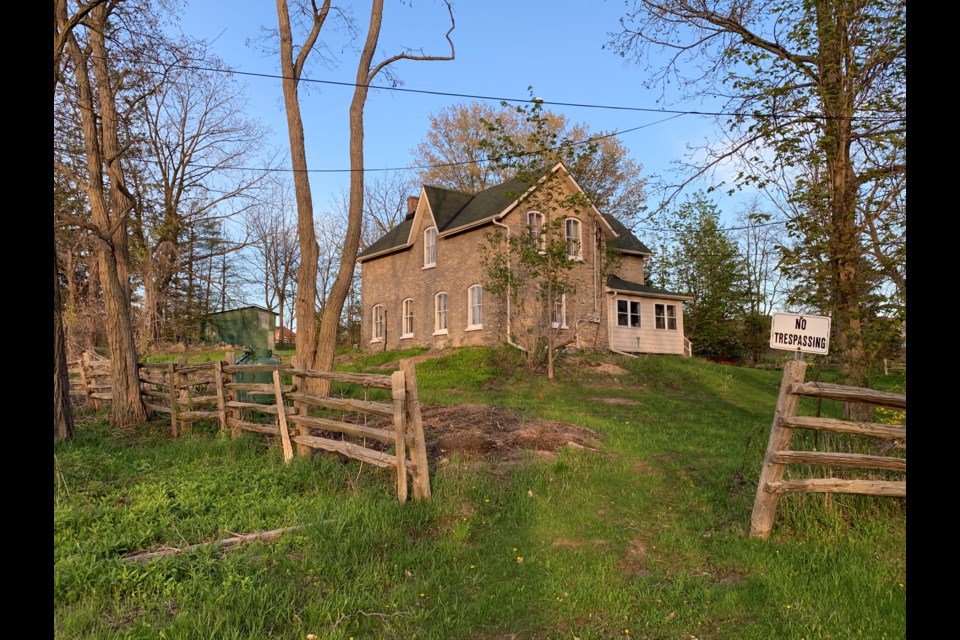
785,420
217,392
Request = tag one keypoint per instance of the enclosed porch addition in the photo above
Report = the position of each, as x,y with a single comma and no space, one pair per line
644,319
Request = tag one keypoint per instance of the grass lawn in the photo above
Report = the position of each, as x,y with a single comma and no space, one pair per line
643,538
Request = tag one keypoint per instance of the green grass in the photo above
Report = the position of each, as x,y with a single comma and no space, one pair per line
644,539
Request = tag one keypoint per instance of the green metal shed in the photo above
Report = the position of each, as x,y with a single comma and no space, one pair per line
251,326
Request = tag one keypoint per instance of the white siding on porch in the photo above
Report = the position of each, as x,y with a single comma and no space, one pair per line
651,339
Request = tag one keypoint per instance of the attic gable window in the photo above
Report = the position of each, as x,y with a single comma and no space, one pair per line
535,223
574,251
430,248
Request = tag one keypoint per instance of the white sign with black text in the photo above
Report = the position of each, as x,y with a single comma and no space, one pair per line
800,332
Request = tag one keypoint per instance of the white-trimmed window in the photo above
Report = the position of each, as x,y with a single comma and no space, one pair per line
377,317
666,315
440,313
628,313
535,223
430,247
407,319
475,307
572,226
558,315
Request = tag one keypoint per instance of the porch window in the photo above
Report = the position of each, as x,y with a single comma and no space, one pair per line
628,313
666,315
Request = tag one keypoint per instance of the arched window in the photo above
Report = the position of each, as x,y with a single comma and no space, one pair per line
430,247
558,316
407,320
377,318
573,239
475,307
440,313
535,223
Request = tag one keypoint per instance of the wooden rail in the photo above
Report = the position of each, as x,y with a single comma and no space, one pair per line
209,391
785,419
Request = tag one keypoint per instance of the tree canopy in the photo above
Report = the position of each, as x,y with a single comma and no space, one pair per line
814,103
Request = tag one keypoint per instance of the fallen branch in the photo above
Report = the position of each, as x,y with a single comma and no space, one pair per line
226,543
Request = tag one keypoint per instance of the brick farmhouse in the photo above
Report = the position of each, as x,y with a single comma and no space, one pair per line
423,284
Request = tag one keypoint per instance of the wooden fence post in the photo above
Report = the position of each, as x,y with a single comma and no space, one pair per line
299,382
87,382
415,438
174,398
765,503
400,429
233,415
282,418
221,400
186,393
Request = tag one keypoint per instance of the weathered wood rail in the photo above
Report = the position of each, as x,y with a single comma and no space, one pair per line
785,419
210,392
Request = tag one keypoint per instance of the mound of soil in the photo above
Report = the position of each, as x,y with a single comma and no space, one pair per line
484,431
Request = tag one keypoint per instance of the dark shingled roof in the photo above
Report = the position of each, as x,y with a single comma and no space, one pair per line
393,238
453,210
625,240
624,285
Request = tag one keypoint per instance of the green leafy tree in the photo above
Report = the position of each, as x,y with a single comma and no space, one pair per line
815,96
534,269
706,264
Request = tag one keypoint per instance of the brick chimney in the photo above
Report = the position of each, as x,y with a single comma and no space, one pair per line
412,202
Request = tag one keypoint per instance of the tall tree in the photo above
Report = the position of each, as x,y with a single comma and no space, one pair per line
193,136
102,94
63,25
455,155
706,264
818,92
315,350
534,269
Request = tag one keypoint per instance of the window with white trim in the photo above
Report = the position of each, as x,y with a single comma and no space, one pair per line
407,319
558,315
474,307
535,223
440,313
574,251
666,315
628,313
377,317
430,247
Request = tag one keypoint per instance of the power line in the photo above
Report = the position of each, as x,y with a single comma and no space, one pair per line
580,105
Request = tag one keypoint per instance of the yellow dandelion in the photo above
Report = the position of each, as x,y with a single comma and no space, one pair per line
473,566
520,559
789,606
486,499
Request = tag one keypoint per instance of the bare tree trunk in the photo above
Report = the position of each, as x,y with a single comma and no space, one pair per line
366,72
291,68
109,210
62,413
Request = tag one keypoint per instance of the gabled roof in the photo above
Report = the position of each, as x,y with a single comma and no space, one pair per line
249,306
454,211
625,240
625,286
393,239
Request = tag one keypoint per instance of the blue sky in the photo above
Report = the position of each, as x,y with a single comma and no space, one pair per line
502,48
